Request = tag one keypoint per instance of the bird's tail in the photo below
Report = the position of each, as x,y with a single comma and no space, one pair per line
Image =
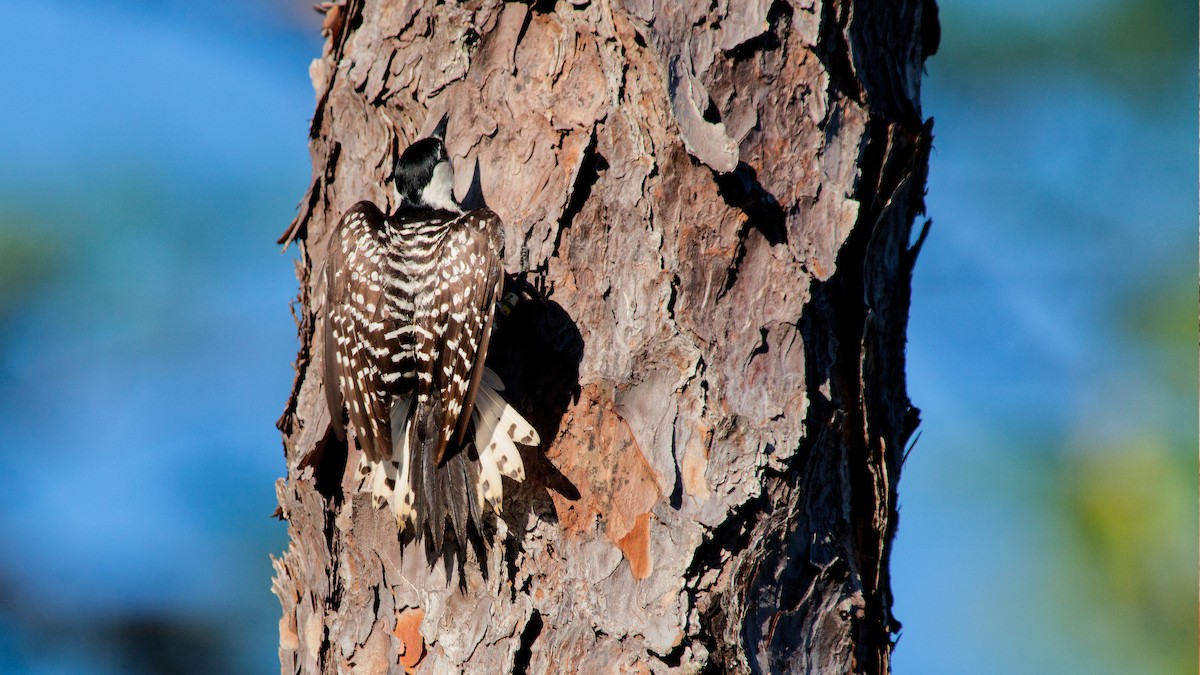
433,496
390,480
498,428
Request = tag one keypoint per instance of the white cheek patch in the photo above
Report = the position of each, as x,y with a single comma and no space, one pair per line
439,194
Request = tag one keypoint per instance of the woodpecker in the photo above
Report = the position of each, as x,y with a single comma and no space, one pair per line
409,304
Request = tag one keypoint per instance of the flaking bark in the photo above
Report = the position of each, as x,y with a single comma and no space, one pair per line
716,199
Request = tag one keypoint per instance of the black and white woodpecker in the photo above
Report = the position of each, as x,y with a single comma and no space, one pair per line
409,303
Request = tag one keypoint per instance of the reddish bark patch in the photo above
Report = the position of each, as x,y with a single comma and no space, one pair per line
408,630
598,454
636,547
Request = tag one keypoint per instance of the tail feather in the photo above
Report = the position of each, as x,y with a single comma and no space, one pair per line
381,492
435,497
402,461
488,489
431,495
457,497
498,428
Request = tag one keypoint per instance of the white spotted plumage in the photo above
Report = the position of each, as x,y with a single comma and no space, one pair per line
409,303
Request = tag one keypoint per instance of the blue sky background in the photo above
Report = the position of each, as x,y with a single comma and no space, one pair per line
155,149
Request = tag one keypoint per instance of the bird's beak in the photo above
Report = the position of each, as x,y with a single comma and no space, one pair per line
439,132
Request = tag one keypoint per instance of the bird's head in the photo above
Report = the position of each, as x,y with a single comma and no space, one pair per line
424,177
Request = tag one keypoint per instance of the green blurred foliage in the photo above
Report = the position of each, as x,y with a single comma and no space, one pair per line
1159,316
1131,559
30,256
1129,502
1117,487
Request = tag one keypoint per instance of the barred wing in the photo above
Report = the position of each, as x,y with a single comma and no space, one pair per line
358,367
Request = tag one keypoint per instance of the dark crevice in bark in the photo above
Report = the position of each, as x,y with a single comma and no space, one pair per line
524,654
638,38
833,50
512,547
762,344
470,39
741,189
325,663
673,658
675,499
591,166
333,599
779,19
521,36
385,92
328,468
673,297
710,113
335,153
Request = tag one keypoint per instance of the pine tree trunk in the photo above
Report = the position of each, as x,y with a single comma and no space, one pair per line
716,198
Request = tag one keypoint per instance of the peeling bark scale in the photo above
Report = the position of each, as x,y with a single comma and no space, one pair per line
717,198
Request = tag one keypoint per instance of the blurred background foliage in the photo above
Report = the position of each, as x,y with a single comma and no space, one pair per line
1048,512
156,148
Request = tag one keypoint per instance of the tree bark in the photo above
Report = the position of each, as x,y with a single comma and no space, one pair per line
716,198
